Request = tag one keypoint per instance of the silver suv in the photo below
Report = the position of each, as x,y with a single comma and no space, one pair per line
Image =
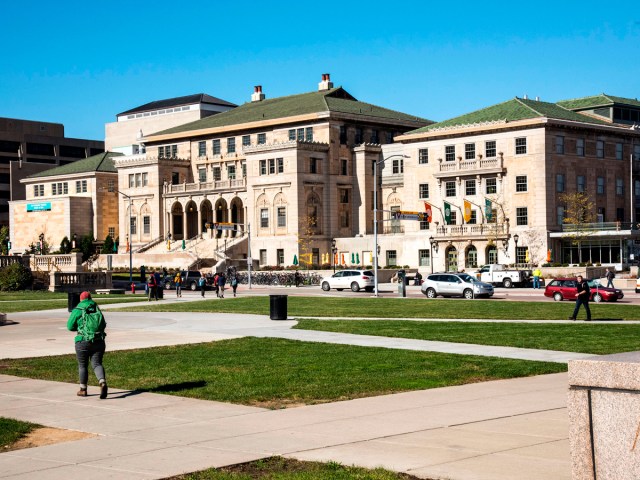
455,285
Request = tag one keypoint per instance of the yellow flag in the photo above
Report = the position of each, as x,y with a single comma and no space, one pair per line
467,211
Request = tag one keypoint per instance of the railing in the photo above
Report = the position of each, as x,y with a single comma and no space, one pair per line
77,282
592,227
6,260
485,229
238,183
475,164
71,262
150,244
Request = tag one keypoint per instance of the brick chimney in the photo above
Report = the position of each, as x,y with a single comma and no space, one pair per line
326,83
257,95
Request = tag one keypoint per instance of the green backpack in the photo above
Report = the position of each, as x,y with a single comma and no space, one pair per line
91,324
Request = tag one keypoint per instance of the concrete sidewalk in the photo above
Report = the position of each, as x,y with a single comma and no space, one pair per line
494,430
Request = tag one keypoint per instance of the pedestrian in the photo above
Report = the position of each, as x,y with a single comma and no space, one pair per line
610,276
153,287
202,283
536,278
222,281
296,277
88,322
417,280
234,284
584,292
177,280
215,285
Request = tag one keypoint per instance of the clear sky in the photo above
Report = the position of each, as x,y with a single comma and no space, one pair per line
81,63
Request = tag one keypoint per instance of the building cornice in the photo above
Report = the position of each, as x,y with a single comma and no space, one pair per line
142,160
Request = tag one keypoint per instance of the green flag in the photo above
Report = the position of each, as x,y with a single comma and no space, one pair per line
488,211
447,213
295,260
184,245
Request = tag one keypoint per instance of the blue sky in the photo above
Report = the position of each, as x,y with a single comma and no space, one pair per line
81,63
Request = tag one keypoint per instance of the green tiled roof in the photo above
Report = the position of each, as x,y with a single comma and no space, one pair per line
102,162
333,100
511,111
602,100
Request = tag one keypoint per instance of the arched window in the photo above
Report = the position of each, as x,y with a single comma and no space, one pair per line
471,257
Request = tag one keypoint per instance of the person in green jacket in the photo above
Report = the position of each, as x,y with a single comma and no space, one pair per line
89,324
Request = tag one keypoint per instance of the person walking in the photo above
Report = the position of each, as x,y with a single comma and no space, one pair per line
234,284
89,324
584,292
296,277
177,280
202,283
222,281
215,284
610,276
153,287
536,278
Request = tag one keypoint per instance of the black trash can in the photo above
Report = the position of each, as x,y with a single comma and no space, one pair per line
160,290
278,307
73,299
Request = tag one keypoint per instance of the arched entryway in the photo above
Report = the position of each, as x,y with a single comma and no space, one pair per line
191,210
237,215
177,221
492,254
206,214
451,254
221,213
471,257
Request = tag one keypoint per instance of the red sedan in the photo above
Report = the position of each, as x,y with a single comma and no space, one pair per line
565,289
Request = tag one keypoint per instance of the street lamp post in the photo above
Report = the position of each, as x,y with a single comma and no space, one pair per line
73,241
130,234
375,218
334,250
434,246
515,240
41,238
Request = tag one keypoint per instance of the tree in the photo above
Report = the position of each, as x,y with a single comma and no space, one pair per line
107,247
65,245
4,239
579,214
308,226
86,246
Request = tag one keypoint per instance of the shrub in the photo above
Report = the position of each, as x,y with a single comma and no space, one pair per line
15,277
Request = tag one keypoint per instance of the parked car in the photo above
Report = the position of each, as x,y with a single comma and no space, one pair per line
189,280
497,274
353,279
455,285
565,289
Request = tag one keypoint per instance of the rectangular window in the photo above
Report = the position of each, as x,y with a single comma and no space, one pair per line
111,186
272,166
231,172
231,145
424,258
202,149
38,190
138,180
580,183
217,174
133,224
601,215
344,219
474,218
600,149
146,225
292,134
174,151
620,214
264,218
580,147
560,214
175,178
132,180
522,216
300,134
490,150
308,134
343,135
215,144
344,167
145,179
469,187
359,137
280,256
246,140
263,167
160,152
202,174
389,137
491,186
112,232
450,189
560,185
392,258
619,186
636,152
424,225
313,165
618,151
375,136
454,217
469,151
398,166
521,183
282,217
450,153
244,170
600,185
81,186
280,165
560,144
521,145
263,256
344,195
423,156
262,138
423,189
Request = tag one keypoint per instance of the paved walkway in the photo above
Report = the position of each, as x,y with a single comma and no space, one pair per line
493,430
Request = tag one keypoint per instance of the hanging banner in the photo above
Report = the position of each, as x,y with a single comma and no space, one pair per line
467,211
488,211
428,211
447,213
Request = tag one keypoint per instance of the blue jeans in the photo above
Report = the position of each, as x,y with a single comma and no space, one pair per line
581,301
93,351
536,282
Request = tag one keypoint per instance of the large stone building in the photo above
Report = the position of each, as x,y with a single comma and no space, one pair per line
28,147
297,170
506,169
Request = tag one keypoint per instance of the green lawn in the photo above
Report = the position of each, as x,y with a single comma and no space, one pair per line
402,308
276,372
13,430
28,301
599,339
278,468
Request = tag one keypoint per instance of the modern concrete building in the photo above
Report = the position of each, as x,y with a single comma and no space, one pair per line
297,170
28,147
494,181
77,198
